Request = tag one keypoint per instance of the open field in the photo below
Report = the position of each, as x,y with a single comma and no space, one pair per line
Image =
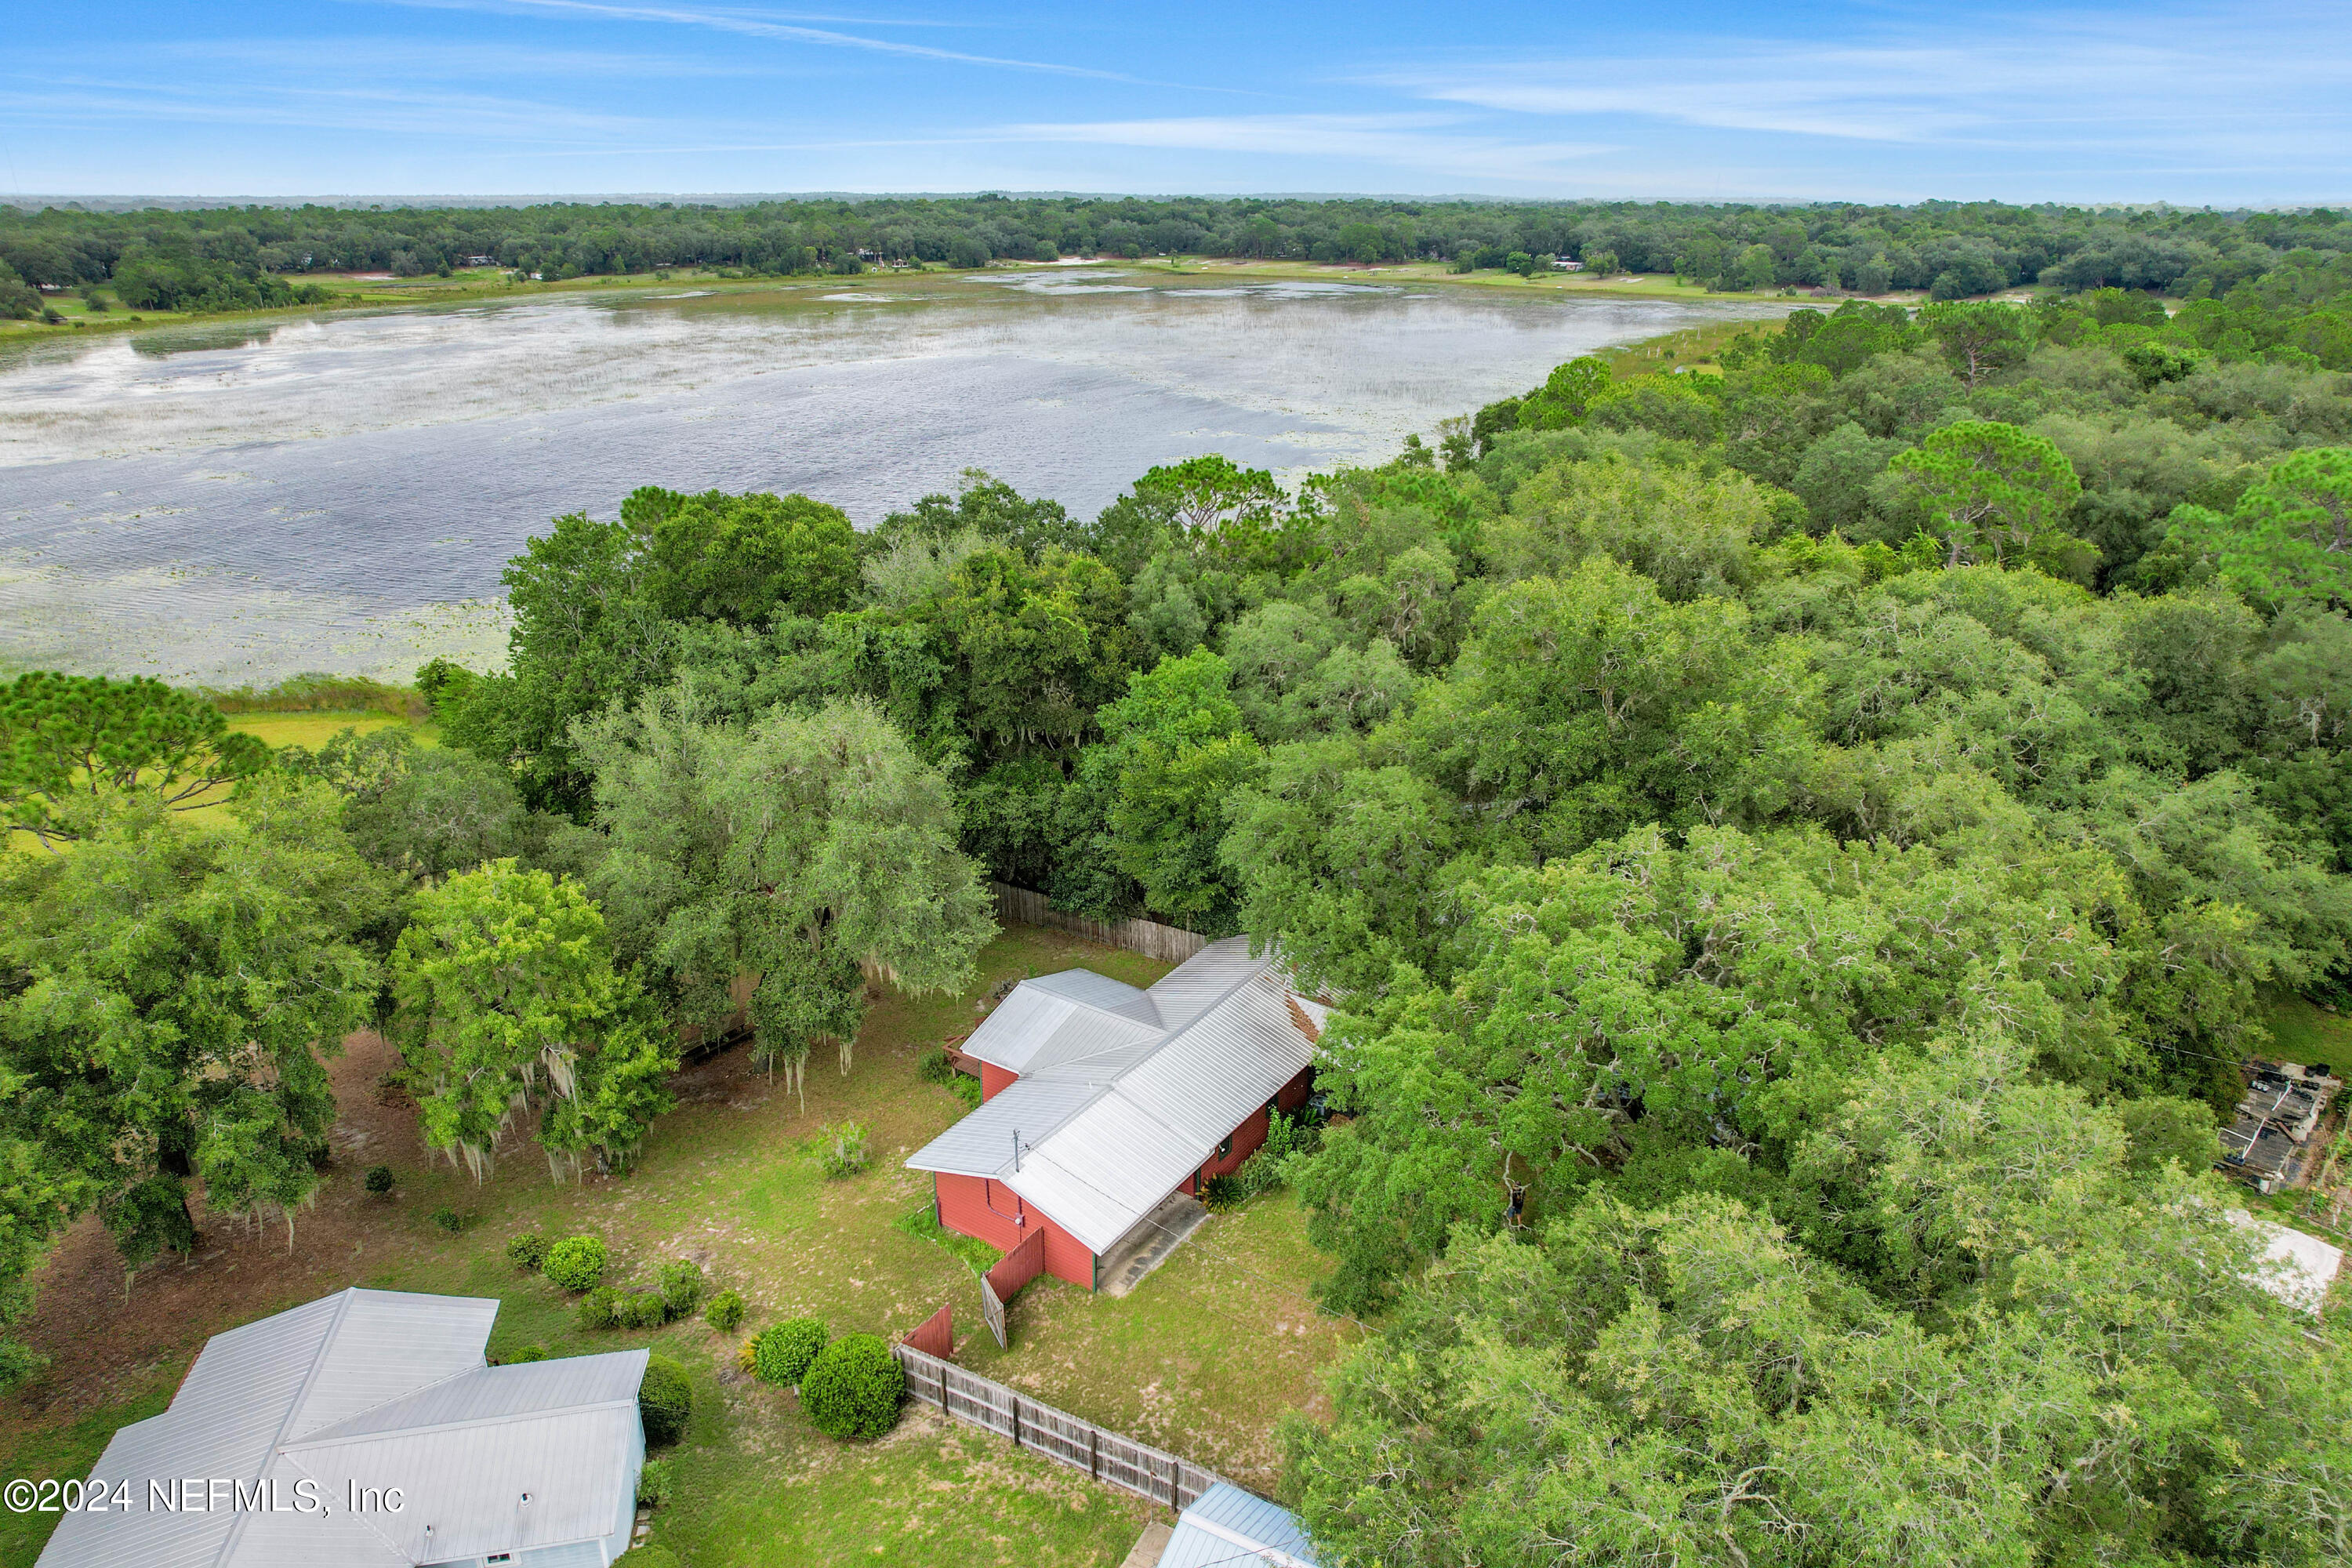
1198,1359
315,729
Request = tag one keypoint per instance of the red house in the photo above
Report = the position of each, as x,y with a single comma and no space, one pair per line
1100,1100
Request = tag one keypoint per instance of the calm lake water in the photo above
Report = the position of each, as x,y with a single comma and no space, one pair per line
235,503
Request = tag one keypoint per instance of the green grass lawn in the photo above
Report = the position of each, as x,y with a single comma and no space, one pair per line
1198,1359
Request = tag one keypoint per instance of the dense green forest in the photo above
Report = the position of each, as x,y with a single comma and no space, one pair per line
1800,856
243,258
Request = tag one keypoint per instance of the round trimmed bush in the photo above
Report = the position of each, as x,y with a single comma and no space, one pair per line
641,1310
378,1180
600,1309
665,1401
647,1556
576,1263
853,1388
654,1483
782,1355
528,1251
527,1353
725,1313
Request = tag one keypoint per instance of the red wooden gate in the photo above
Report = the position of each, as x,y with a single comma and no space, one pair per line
1004,1283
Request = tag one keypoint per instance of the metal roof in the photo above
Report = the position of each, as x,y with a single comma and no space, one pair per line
1228,1526
1113,1116
380,1388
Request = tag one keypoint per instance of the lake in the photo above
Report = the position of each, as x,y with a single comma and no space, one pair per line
235,502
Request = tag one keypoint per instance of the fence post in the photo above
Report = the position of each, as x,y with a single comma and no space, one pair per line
1093,1452
1016,1420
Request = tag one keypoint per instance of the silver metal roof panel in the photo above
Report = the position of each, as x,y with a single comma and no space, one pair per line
1113,1119
358,1386
1103,1170
497,1393
981,1143
1229,1528
466,1485
388,1343
1100,991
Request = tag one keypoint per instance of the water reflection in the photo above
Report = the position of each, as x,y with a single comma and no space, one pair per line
233,503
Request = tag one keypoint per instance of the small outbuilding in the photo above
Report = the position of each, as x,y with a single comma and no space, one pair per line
1229,1528
368,1430
1101,1100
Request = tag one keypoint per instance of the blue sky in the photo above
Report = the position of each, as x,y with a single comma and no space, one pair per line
2227,104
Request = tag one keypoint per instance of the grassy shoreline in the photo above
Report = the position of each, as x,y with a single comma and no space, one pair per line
489,284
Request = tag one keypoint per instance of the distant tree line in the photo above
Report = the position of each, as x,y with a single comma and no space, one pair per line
236,258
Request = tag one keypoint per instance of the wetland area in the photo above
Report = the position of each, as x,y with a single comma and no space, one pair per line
233,502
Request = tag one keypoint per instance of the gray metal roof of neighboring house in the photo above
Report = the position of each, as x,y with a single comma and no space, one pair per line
1230,1526
361,1378
1113,1118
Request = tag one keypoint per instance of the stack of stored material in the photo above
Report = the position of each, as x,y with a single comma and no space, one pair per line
2270,1143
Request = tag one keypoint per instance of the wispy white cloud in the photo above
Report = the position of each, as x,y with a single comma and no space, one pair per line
414,59
2048,81
1405,140
756,24
92,100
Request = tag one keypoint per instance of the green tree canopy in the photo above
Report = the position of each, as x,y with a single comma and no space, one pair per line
2042,1352
802,853
1993,492
1174,752
506,993
2289,537
715,556
66,741
168,996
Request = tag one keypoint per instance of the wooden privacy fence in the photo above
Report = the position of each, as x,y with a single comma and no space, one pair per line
1151,939
1004,1283
1059,1436
936,1337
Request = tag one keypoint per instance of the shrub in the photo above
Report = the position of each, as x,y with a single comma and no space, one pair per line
681,1288
666,1400
654,1483
782,1355
528,1251
527,1352
647,1556
747,1356
576,1263
378,1180
725,1313
1222,1194
1286,1139
597,1309
450,1220
967,1089
853,1388
841,1149
932,1066
640,1310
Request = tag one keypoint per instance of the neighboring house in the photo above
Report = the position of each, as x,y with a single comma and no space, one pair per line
1100,1100
378,1407
1228,1528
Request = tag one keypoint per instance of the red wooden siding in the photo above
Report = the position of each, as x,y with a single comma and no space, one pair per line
989,1210
994,1080
977,1206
